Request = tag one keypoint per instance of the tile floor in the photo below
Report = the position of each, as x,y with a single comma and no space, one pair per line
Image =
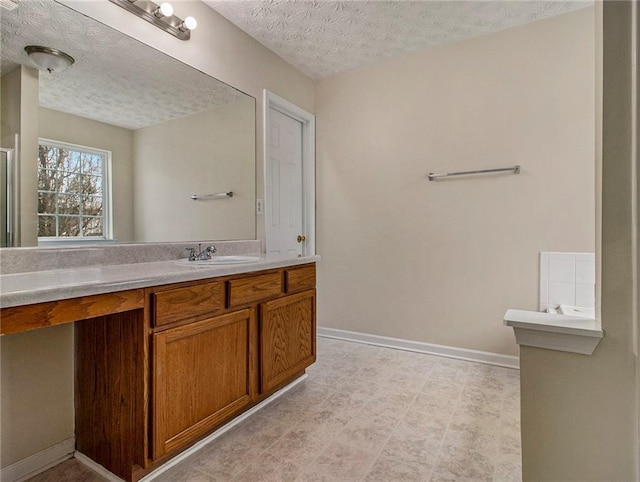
367,414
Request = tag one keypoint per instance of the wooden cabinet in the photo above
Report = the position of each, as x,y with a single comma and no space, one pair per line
110,386
220,346
202,373
159,368
287,337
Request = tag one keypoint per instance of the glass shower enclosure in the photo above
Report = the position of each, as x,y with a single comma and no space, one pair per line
8,198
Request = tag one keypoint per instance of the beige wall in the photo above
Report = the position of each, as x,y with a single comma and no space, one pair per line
440,262
217,48
36,371
220,158
579,413
59,126
19,109
37,391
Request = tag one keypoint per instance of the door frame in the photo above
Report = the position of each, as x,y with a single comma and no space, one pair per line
308,120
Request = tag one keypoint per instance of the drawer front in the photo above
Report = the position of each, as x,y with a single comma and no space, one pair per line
255,289
188,303
300,279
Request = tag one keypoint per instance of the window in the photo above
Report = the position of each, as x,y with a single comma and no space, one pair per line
73,192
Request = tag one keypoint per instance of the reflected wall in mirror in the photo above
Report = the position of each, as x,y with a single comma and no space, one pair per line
170,131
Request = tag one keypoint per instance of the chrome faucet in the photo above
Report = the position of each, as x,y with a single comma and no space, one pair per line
201,255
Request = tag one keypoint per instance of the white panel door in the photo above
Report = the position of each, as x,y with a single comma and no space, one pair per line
284,185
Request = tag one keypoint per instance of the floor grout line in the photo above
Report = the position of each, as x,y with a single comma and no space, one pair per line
446,430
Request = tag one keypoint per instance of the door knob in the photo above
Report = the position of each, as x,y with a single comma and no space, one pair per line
301,238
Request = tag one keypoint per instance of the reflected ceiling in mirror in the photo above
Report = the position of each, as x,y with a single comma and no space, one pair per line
189,133
115,79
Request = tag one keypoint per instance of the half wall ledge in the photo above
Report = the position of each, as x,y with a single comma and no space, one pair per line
572,334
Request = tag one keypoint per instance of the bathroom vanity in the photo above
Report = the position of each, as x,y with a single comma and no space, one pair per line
162,364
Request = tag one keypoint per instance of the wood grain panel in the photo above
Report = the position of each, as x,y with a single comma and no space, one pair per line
287,337
31,317
300,278
201,377
107,386
191,302
245,291
142,411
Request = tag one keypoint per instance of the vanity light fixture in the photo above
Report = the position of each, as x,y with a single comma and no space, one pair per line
49,59
161,16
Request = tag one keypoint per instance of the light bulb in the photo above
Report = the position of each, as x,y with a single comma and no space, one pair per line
164,10
188,23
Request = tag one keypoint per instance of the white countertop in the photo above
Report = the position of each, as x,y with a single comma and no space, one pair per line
534,320
41,286
556,332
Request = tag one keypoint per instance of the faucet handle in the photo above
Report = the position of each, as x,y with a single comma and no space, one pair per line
192,254
208,251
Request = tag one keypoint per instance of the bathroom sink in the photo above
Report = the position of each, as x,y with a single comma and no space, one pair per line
217,260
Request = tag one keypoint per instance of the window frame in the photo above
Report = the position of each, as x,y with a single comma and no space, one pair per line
107,185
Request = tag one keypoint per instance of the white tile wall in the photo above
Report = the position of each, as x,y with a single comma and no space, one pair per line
567,278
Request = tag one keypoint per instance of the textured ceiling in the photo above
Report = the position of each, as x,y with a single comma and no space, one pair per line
324,37
115,78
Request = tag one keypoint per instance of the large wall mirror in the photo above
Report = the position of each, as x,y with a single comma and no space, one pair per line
116,145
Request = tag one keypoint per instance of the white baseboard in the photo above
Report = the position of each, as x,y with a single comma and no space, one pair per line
194,448
485,357
39,462
96,467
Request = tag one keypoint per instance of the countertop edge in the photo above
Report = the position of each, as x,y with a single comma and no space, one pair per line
134,277
533,320
555,332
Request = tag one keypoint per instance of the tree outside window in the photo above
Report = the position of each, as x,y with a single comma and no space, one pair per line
72,191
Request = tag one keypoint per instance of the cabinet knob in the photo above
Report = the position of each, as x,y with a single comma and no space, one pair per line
301,238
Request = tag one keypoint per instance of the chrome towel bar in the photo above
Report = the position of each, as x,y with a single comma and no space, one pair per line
206,197
433,176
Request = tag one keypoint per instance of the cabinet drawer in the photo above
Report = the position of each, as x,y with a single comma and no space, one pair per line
300,279
251,290
187,303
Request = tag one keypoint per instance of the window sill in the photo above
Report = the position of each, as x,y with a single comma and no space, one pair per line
572,334
74,241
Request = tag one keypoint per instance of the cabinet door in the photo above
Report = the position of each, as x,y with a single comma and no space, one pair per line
204,373
287,337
